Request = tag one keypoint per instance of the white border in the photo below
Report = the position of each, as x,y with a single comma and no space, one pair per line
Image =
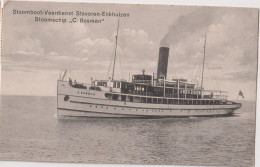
229,3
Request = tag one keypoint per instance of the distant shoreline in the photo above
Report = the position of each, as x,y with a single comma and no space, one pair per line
29,95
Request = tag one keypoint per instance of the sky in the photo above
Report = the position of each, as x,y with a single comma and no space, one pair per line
35,53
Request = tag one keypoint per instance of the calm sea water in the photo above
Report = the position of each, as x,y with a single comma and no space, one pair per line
31,131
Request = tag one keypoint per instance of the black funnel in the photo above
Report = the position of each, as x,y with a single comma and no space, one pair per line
162,62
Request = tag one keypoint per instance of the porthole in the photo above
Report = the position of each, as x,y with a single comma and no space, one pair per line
66,98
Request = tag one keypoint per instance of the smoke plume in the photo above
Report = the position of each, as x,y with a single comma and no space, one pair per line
197,21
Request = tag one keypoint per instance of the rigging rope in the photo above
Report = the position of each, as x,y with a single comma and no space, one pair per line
111,61
214,77
122,76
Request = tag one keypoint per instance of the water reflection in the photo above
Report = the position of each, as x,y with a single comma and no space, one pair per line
133,140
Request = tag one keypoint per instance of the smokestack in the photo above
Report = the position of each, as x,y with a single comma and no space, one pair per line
163,62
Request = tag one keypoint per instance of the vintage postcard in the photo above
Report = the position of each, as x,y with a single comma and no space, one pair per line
128,84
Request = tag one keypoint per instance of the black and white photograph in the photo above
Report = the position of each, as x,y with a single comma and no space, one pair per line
146,84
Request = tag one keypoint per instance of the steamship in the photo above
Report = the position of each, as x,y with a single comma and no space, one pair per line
144,96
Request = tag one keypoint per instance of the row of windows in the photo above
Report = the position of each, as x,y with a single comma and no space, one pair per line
116,84
141,99
130,109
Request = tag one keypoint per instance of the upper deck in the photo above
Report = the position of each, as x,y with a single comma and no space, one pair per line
175,89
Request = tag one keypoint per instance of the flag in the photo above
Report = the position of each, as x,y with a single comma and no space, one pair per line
241,94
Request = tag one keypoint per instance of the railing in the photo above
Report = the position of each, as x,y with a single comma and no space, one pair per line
143,81
78,85
207,94
163,100
181,96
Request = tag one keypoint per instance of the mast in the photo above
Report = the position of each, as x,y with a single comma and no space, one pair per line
203,64
115,49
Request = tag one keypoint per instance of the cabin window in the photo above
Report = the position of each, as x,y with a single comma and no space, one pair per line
181,102
108,95
118,84
131,98
143,100
123,98
115,97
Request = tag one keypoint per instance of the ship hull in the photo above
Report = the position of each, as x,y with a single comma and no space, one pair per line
106,114
92,103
